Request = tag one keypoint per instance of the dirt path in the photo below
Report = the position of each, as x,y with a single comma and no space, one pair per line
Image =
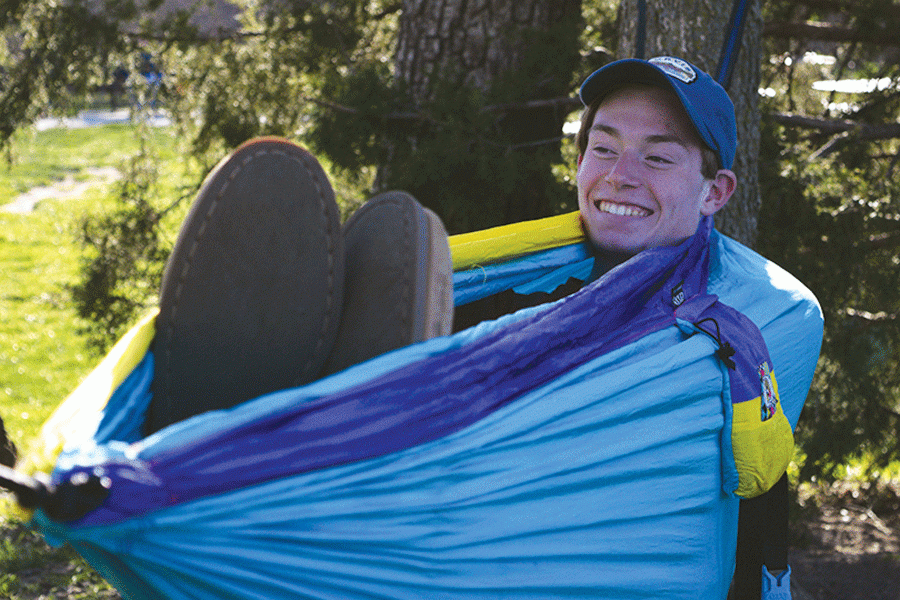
67,189
849,549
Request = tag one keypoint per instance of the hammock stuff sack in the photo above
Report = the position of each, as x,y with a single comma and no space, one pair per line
592,447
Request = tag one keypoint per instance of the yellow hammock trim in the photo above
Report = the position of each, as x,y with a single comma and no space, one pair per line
78,413
509,241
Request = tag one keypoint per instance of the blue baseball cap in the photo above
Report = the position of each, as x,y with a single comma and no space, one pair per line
706,102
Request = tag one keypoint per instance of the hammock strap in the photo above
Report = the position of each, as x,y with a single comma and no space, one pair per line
640,45
70,500
726,350
731,45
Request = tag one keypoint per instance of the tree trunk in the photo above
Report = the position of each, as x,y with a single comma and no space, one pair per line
479,40
507,52
7,448
695,30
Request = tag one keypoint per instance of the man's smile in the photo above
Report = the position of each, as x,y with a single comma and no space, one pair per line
622,210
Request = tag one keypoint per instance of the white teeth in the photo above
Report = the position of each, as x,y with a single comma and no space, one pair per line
622,210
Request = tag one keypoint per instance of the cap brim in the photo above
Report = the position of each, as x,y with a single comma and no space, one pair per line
619,73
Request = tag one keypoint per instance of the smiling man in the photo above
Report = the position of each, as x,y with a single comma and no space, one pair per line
656,145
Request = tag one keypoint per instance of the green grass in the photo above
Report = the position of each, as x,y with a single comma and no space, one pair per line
42,157
29,569
43,353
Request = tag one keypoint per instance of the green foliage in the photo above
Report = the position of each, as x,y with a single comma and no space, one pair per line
831,216
350,137
841,240
123,258
452,154
322,69
479,159
57,47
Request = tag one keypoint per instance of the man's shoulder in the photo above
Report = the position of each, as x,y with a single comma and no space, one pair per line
756,285
785,311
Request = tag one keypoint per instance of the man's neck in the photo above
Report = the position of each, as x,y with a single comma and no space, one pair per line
605,260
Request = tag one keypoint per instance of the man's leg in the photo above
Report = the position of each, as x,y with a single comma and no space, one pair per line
253,297
252,293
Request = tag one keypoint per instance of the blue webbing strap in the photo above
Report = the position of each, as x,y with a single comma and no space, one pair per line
731,46
641,42
769,546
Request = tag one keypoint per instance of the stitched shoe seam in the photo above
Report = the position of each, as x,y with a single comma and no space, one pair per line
400,310
301,160
304,159
186,267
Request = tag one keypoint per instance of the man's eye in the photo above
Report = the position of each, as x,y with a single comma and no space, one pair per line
603,151
659,160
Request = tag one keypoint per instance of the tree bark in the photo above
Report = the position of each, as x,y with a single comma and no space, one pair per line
695,30
485,44
475,39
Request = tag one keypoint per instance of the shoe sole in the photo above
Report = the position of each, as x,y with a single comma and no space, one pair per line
251,295
398,288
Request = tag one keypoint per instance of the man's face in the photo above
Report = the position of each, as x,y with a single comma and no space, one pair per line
639,181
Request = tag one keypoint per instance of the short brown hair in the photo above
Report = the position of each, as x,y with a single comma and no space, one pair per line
708,167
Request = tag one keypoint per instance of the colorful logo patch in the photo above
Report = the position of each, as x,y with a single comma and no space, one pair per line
768,396
675,68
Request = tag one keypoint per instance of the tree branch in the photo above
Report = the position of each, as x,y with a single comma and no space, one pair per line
830,33
567,102
563,102
863,131
869,317
890,12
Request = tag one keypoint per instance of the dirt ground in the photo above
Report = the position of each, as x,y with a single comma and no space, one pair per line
848,546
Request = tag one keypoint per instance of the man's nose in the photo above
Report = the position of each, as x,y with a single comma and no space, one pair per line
623,173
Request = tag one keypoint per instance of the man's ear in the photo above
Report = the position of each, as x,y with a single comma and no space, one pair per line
580,158
720,190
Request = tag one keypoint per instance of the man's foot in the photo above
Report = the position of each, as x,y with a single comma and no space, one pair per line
252,293
399,283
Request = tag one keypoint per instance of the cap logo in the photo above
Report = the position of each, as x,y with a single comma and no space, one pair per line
675,68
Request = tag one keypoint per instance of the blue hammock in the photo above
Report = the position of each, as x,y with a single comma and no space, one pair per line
592,447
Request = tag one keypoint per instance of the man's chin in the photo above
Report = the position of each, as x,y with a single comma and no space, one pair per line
616,244
613,253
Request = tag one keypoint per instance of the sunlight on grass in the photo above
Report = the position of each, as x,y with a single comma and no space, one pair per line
39,349
43,157
42,354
